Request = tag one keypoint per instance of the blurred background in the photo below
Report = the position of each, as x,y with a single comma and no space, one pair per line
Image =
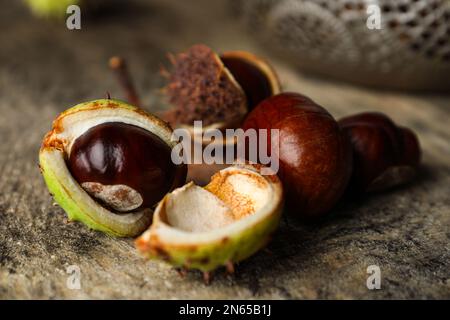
321,48
411,50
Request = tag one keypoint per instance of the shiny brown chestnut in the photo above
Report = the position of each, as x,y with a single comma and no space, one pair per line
314,153
384,154
123,166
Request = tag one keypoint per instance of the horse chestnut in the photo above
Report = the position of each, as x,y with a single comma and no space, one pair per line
106,163
123,166
314,154
384,155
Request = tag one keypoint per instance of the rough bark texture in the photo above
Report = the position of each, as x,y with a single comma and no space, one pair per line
44,69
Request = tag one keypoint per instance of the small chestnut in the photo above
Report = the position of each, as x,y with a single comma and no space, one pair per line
384,154
314,154
121,165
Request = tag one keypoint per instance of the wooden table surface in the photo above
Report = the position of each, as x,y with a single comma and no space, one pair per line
44,69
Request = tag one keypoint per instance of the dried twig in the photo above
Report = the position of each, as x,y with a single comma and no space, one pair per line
118,65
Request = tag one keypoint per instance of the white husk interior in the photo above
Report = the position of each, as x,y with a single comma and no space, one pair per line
78,123
266,198
247,187
194,209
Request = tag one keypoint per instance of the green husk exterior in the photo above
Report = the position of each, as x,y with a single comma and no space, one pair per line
76,211
62,197
208,257
99,103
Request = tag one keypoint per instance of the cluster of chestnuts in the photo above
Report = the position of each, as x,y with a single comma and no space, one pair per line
108,163
320,158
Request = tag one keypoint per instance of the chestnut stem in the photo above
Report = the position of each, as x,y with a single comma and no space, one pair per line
230,267
118,65
207,276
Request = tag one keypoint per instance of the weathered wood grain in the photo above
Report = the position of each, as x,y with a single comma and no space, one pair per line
44,69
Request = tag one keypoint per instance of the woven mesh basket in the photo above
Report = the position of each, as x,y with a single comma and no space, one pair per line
411,50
